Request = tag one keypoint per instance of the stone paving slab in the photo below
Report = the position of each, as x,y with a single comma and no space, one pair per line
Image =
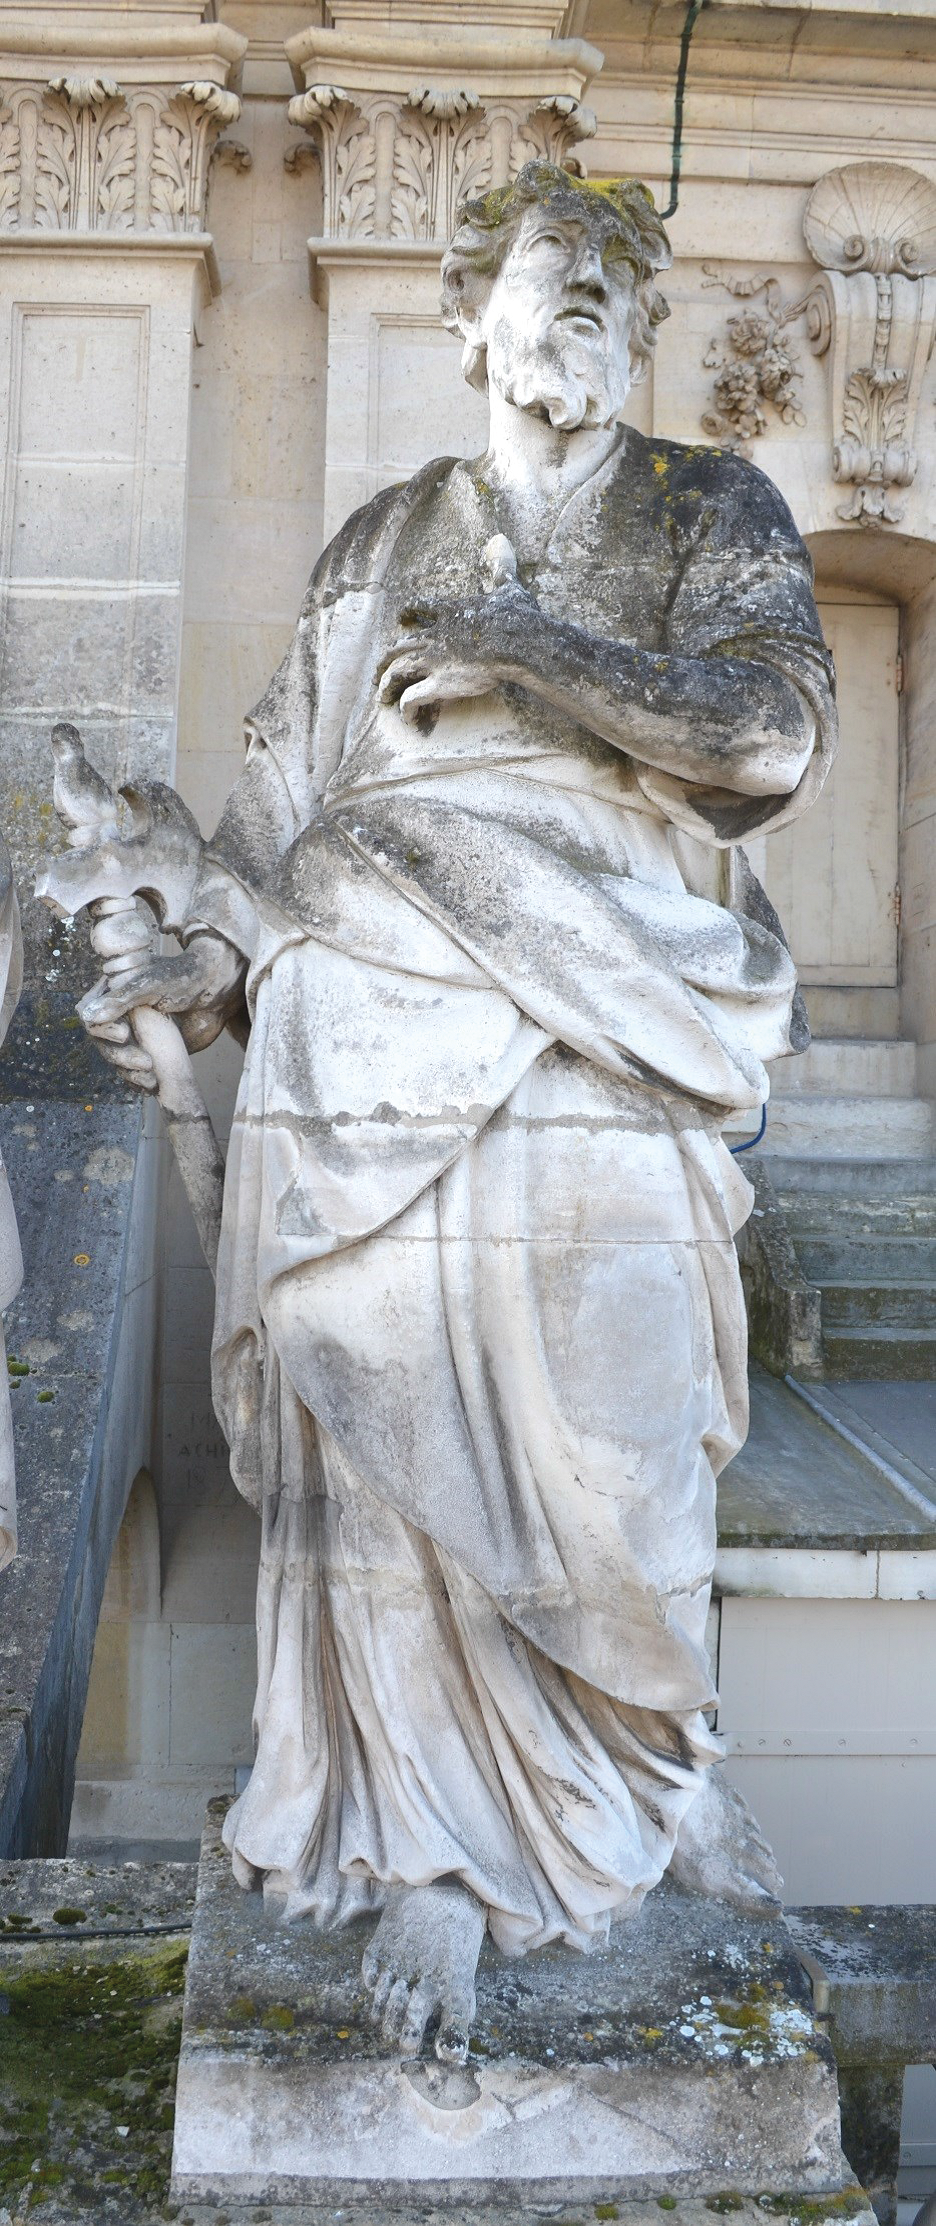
681,2058
796,1483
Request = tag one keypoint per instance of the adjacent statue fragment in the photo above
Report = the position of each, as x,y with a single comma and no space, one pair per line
11,1261
480,1343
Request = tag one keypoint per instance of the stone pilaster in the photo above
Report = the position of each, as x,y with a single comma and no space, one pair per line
107,128
403,123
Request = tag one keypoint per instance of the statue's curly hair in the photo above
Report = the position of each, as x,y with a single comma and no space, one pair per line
621,213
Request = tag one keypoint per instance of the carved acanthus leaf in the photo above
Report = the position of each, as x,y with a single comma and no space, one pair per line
549,132
10,157
305,155
231,154
85,92
317,101
441,104
114,169
345,140
215,100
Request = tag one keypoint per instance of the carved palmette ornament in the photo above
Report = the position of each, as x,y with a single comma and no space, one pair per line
872,315
81,154
441,151
396,167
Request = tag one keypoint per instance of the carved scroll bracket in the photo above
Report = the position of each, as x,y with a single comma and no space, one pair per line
872,315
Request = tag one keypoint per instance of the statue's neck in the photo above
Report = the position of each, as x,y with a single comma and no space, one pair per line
534,467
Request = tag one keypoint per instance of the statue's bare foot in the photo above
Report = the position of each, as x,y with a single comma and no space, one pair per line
721,1851
421,1964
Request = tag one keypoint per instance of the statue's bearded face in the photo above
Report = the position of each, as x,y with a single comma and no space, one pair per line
557,322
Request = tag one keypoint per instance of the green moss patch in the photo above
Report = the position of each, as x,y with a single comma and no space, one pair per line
88,2058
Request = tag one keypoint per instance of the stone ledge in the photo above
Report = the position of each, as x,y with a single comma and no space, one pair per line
82,1326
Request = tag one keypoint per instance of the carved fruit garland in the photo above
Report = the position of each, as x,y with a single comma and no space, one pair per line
760,371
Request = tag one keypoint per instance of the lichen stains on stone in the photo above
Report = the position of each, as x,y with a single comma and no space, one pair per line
760,2026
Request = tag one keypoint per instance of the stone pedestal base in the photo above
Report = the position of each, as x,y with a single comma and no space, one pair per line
681,2061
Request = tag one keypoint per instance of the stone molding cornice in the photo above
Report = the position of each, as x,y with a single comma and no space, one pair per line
198,248
812,28
112,133
404,128
159,54
518,17
363,63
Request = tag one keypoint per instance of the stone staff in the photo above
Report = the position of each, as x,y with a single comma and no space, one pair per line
106,874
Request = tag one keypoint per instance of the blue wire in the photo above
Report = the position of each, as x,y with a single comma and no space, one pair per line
752,1140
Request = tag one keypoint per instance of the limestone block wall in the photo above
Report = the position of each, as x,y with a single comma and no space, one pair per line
254,530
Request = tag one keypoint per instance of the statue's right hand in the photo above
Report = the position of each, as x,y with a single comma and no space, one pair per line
199,980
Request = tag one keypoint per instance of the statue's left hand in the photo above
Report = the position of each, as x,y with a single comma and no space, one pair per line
458,649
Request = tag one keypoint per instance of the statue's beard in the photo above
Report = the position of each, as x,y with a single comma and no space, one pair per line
564,381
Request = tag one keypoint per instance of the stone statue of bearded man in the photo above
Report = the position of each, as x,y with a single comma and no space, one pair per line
480,1343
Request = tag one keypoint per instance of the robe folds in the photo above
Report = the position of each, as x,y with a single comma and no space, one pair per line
480,1348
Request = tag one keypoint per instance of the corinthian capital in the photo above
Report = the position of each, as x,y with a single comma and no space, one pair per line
120,140
403,136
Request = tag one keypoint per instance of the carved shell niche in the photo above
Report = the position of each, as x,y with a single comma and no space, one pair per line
873,216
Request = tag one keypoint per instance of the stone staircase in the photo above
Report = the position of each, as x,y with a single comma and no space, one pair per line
850,1150
865,1235
850,1098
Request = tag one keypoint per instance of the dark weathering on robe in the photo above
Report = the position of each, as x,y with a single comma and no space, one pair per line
480,1342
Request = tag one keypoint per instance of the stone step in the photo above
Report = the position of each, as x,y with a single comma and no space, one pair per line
848,1067
850,1182
906,1356
871,1219
856,1254
868,1307
812,1125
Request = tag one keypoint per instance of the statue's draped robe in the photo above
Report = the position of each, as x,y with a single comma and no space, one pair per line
11,1264
480,1347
